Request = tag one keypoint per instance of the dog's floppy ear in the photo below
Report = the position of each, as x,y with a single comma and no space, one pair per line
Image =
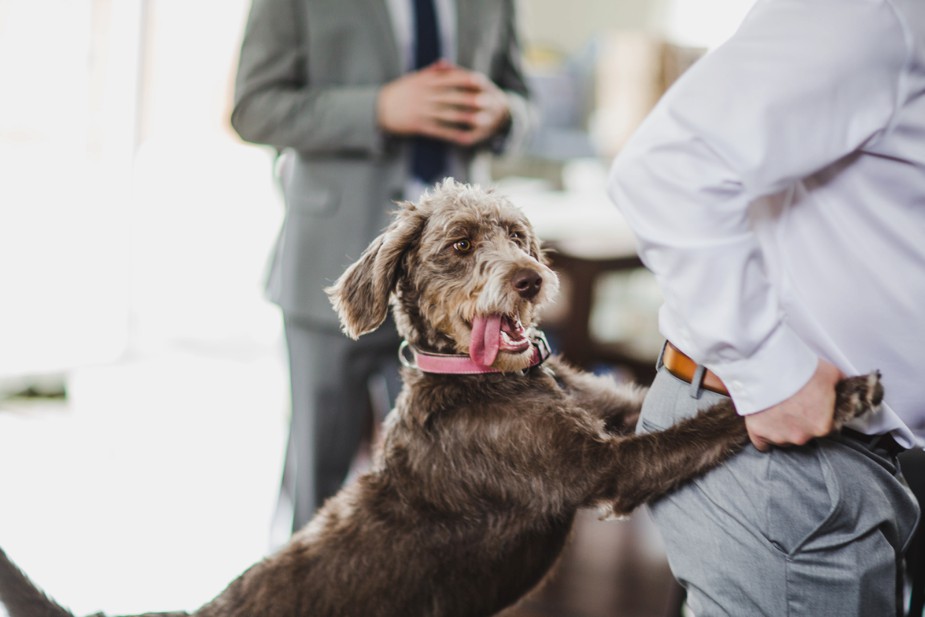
361,294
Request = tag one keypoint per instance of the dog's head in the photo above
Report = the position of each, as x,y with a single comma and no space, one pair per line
463,271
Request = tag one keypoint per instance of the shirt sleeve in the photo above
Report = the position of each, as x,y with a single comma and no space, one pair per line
801,85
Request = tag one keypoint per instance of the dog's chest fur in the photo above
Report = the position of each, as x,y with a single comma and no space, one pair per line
476,463
491,446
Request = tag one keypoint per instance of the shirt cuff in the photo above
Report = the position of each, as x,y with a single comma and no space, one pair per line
774,373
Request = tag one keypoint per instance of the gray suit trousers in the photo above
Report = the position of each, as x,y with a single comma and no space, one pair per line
334,381
811,531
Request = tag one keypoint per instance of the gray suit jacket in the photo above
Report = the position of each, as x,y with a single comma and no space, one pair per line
308,78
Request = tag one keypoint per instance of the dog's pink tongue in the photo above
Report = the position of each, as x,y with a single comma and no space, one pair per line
485,339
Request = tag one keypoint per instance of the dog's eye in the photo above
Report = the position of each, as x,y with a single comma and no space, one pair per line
462,246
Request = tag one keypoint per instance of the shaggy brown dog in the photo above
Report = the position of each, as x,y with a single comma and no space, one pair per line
473,491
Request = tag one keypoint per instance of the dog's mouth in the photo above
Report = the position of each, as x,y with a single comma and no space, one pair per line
494,334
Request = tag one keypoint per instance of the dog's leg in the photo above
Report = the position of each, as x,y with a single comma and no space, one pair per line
618,405
645,467
855,396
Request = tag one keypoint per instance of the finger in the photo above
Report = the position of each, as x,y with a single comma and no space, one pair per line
455,77
484,116
454,116
440,64
482,81
437,66
455,97
481,84
760,443
484,120
756,436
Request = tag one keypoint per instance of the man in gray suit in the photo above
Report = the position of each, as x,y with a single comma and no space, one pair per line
368,102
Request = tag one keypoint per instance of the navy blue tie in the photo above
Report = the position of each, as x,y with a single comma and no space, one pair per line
428,156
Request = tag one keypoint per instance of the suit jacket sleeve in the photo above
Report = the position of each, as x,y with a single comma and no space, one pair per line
274,105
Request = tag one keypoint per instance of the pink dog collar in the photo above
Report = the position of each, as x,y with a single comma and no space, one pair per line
462,364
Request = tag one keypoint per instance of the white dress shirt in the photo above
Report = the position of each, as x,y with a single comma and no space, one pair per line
402,14
777,192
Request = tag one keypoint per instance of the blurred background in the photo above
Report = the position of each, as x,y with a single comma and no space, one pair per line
143,385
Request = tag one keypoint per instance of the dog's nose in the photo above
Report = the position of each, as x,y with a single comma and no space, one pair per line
527,282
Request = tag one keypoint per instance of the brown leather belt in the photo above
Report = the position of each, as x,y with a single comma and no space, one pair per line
682,367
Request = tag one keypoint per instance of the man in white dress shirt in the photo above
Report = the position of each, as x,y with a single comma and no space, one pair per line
778,194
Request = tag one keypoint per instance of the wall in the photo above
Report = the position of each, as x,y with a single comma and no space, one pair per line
567,27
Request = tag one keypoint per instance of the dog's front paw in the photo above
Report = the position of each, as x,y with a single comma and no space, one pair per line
855,396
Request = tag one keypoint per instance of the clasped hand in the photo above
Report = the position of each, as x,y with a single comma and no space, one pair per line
443,101
795,421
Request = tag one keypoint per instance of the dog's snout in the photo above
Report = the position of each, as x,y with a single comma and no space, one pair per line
527,282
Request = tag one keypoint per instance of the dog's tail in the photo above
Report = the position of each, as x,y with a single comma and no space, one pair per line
20,595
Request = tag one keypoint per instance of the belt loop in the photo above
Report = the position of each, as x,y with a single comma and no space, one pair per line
697,381
661,354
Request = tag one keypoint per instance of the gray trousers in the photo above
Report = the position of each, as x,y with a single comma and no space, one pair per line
335,383
811,531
